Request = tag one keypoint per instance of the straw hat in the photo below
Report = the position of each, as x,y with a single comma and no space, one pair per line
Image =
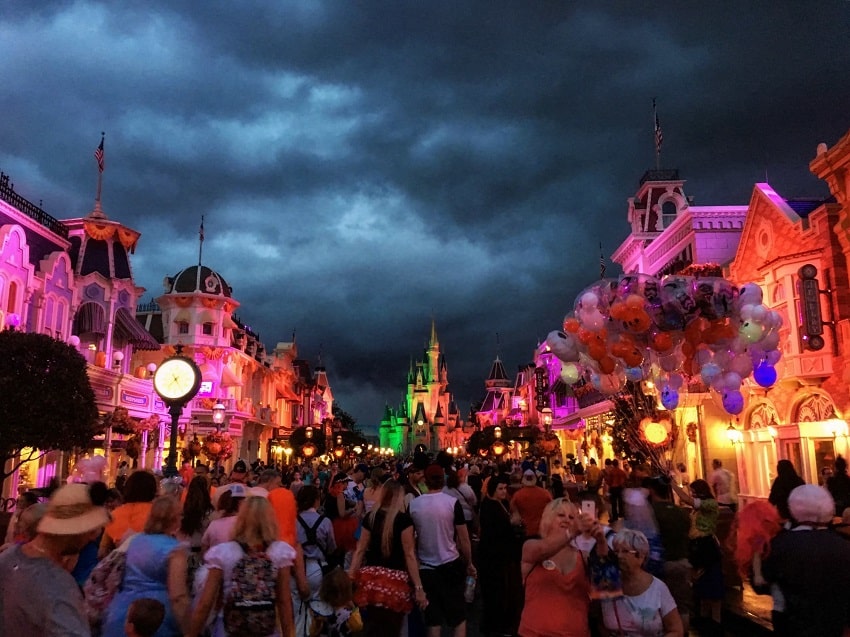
71,512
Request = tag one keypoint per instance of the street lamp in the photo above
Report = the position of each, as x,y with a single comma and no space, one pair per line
547,417
218,412
308,450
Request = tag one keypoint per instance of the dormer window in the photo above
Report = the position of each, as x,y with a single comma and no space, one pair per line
207,329
668,213
182,327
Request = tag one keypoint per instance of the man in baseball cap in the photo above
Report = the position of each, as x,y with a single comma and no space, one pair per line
38,595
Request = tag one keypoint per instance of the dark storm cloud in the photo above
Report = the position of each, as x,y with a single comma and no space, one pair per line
364,167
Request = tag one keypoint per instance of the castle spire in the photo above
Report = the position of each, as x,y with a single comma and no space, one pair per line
434,342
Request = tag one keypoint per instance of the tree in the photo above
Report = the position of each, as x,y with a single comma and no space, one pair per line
346,420
46,401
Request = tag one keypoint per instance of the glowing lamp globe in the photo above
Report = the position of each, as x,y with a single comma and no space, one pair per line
655,433
308,450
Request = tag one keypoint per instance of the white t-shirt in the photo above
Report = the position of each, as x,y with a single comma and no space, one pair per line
641,615
225,557
435,516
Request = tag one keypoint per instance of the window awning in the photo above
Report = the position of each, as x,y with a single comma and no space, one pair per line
285,392
229,379
90,319
127,327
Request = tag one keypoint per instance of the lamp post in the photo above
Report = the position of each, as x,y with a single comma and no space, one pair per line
218,413
177,381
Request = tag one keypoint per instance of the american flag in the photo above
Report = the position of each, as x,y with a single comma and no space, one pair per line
601,262
98,155
659,135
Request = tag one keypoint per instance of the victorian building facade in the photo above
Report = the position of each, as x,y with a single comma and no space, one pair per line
73,280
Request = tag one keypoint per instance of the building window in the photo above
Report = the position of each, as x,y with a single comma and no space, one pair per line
668,213
207,329
182,327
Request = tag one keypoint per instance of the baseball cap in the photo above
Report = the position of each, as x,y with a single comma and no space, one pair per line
240,467
433,471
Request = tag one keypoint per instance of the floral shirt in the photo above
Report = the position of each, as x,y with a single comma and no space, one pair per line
704,517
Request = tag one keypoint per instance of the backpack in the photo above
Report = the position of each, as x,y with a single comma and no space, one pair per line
312,539
250,609
102,584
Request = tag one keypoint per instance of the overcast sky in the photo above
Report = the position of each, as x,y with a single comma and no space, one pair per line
366,166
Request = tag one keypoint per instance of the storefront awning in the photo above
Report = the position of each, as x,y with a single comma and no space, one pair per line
229,379
90,319
128,328
285,392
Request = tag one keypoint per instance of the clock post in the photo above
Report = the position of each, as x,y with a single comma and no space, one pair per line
176,380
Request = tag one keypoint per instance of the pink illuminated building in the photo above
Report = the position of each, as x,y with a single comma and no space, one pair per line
73,280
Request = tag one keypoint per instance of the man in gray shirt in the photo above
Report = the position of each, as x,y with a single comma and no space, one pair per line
38,596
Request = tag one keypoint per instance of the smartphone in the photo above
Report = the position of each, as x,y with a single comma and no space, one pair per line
589,507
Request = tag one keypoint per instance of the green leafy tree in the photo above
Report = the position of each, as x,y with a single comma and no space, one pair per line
346,420
47,401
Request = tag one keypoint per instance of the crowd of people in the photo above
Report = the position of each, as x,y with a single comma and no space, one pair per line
413,547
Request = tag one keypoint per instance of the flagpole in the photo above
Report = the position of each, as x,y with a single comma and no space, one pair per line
201,242
99,167
655,135
601,262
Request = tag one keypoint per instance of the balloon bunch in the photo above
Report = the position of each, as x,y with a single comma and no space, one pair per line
88,469
669,331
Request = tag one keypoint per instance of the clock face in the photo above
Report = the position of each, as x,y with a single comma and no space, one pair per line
177,379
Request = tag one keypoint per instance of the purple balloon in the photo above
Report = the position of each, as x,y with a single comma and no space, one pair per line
733,402
765,375
669,398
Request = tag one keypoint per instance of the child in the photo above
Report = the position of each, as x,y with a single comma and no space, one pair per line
335,615
144,617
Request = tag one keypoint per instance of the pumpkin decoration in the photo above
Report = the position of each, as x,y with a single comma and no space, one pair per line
217,446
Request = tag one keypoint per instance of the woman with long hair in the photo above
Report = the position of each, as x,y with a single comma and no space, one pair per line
646,608
197,512
384,565
156,569
255,533
557,588
499,562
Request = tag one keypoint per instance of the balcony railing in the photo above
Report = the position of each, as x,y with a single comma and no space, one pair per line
8,194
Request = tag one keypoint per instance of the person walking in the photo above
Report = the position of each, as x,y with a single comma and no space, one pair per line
384,565
234,566
499,553
838,485
38,596
787,479
615,479
445,554
811,565
723,485
528,502
156,568
316,536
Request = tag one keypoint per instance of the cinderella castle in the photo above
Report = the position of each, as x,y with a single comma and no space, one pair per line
428,414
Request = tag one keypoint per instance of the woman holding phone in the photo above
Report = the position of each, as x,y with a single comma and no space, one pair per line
557,588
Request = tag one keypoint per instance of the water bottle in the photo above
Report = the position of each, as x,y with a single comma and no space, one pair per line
469,591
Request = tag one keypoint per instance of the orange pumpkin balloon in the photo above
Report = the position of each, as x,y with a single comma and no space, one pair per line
661,342
572,325
607,365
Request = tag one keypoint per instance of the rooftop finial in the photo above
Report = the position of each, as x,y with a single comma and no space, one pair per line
98,155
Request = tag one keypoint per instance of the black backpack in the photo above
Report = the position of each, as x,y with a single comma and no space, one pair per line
312,539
